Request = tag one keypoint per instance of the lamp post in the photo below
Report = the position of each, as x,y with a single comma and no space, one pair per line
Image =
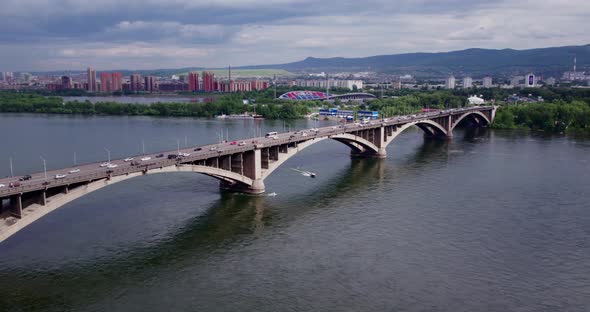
108,155
11,173
44,166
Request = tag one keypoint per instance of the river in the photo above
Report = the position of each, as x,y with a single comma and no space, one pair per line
488,221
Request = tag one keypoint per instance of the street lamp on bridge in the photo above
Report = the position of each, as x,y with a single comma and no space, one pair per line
108,155
11,173
44,166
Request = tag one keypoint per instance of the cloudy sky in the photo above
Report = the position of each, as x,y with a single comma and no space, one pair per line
147,34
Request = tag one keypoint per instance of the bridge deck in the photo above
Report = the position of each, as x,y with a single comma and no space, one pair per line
93,171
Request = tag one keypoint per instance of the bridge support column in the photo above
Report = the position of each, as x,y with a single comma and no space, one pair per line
448,126
257,187
252,168
16,206
382,153
378,138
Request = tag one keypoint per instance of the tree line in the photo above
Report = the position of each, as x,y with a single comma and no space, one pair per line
558,116
227,104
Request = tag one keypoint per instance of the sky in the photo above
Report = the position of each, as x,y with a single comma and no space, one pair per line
40,35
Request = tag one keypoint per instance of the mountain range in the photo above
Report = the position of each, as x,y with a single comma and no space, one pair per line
505,62
546,62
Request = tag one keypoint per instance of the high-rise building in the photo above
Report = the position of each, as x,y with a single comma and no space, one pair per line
7,76
487,82
135,82
91,73
150,83
193,81
66,82
529,81
106,82
27,77
208,81
467,82
450,83
117,82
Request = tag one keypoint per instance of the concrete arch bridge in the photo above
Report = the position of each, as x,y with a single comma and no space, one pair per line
240,167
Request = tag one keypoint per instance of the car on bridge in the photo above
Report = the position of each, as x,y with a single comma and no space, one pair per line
146,158
172,156
159,155
60,176
128,159
2,185
104,164
198,149
25,178
14,184
242,143
74,170
112,166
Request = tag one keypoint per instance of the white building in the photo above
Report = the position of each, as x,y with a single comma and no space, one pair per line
467,82
550,81
450,84
487,82
6,76
572,76
475,100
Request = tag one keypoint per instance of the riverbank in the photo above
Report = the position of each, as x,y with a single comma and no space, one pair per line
226,104
557,117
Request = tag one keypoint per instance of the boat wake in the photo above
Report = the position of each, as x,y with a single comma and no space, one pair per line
304,173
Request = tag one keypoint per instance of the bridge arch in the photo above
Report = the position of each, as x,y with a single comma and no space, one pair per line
478,116
357,144
430,128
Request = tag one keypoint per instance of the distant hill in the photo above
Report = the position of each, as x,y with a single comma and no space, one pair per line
249,73
476,62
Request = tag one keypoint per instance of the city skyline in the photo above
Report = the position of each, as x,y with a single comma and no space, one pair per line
56,35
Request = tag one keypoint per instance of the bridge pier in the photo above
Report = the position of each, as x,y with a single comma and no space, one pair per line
382,153
42,199
257,187
16,206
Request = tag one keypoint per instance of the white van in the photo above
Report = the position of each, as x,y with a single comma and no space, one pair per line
273,135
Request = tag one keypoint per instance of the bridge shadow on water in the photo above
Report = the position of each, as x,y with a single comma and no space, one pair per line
232,219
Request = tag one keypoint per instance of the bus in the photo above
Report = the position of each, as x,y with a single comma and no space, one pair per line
271,134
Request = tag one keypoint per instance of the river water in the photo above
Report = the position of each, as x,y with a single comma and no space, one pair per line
489,221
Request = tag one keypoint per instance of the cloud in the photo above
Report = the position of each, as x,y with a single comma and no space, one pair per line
60,34
168,31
